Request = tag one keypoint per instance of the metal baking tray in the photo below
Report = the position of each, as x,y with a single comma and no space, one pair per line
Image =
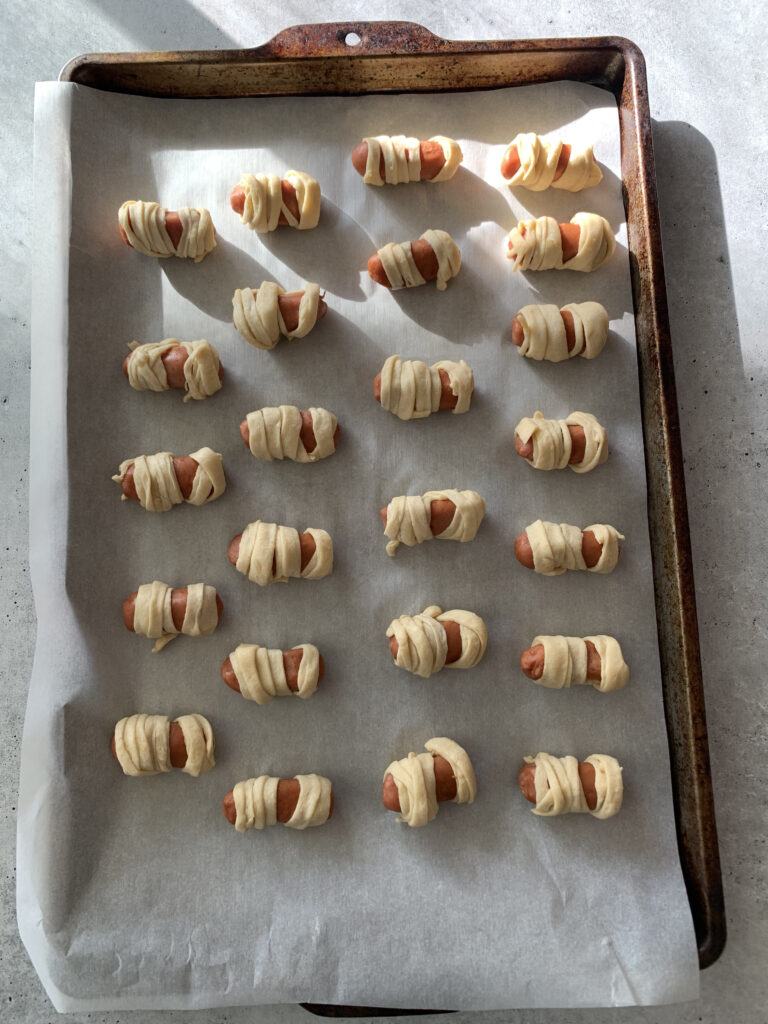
388,57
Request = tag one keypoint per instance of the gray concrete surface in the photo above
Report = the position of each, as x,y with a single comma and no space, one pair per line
707,86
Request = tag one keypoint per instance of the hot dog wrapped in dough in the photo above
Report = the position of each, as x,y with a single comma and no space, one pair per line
413,390
448,515
154,231
551,548
432,257
304,801
161,365
425,643
287,432
578,442
161,612
558,662
399,159
268,553
416,784
268,313
542,244
265,201
160,481
537,164
546,332
564,785
151,744
261,673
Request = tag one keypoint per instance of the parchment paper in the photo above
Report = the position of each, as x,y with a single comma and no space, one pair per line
137,893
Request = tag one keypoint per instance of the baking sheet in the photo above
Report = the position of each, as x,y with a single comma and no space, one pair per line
136,893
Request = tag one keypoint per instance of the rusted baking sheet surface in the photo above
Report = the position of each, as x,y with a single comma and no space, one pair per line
381,57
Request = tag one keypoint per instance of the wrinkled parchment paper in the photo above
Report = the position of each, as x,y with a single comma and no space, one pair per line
136,893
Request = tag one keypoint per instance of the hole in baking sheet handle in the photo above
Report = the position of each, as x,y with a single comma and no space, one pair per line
352,39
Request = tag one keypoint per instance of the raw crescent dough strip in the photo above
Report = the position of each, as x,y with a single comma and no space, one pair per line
544,331
411,389
142,745
552,443
565,662
402,159
146,371
414,777
408,518
540,247
275,433
158,487
144,226
258,318
559,789
256,802
262,543
423,645
264,201
400,267
557,547
538,165
152,615
260,672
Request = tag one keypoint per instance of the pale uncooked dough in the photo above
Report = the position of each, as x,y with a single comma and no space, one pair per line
423,645
402,159
146,371
559,789
152,613
544,331
142,744
256,802
411,389
260,672
400,266
144,226
557,547
258,319
552,443
264,201
565,662
537,245
158,488
275,433
262,543
408,518
538,164
414,777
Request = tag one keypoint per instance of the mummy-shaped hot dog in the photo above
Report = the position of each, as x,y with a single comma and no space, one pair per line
578,442
536,164
287,432
161,612
301,802
561,785
399,159
432,257
412,390
261,673
161,365
265,200
448,515
154,231
425,643
561,661
552,548
266,314
151,744
543,244
546,332
267,553
160,481
416,784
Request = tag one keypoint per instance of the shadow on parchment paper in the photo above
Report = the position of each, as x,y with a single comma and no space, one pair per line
477,201
601,198
226,269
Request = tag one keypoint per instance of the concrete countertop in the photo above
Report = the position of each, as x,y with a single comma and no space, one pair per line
707,87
